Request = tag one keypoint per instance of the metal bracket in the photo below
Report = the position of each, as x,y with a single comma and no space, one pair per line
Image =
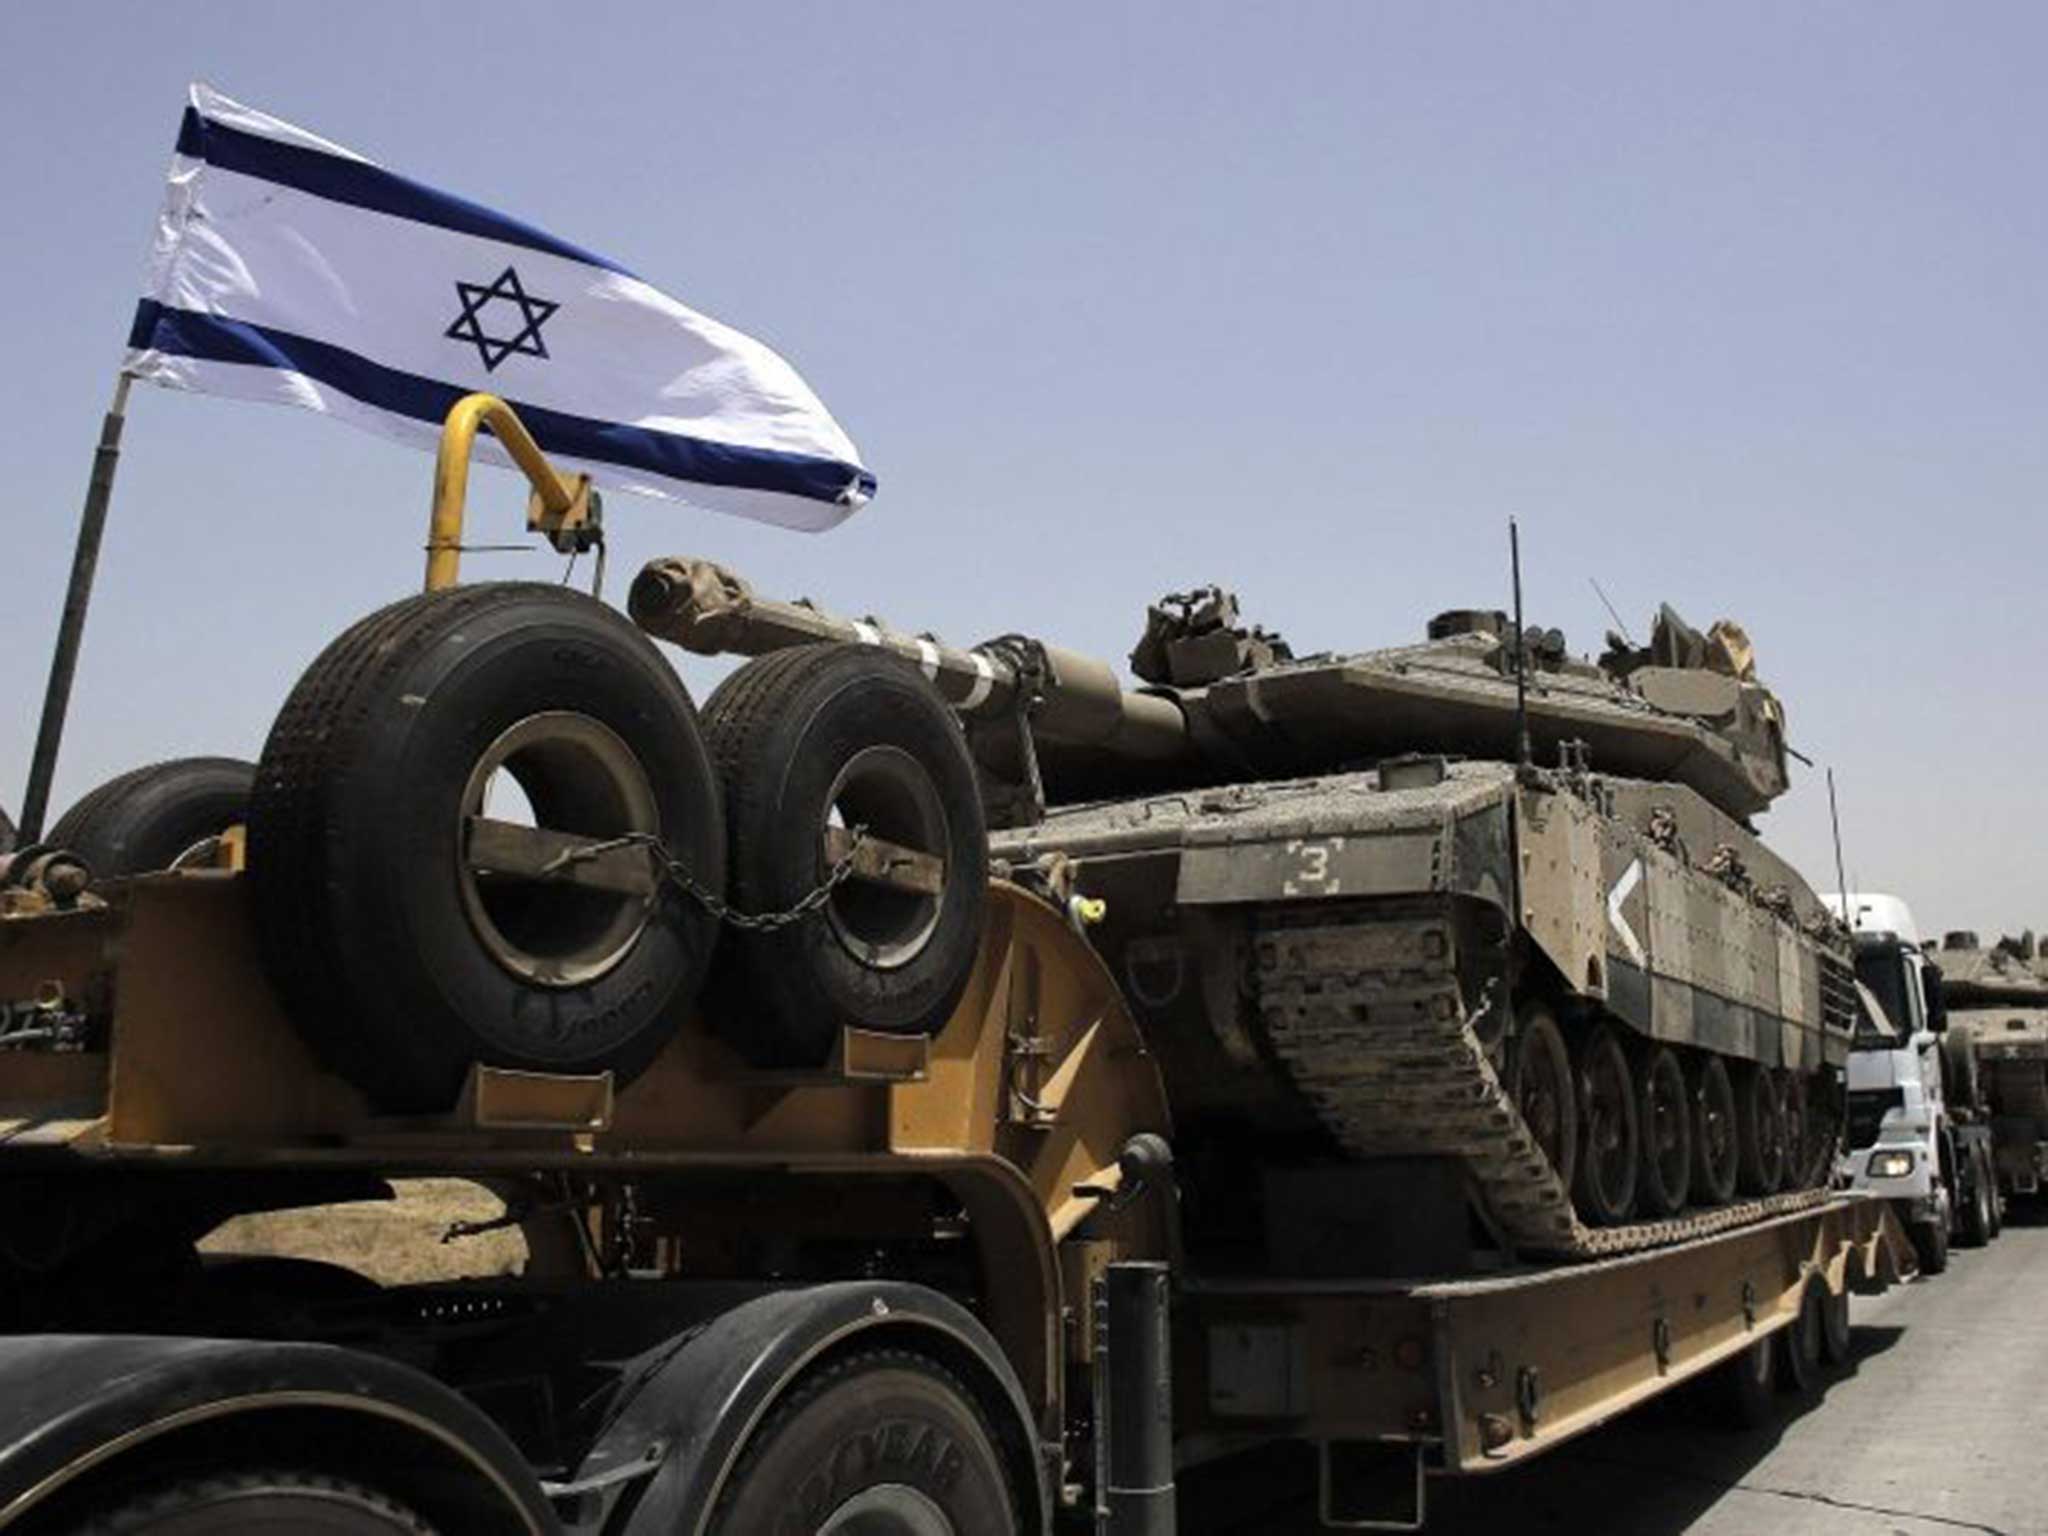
499,1099
858,1056
1325,1496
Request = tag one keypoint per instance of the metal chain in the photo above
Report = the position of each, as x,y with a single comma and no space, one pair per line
678,874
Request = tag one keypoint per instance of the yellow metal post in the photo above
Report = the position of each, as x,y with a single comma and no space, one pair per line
559,503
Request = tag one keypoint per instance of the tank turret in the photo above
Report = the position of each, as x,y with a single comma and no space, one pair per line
1224,702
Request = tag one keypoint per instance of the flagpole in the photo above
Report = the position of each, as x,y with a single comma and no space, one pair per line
85,559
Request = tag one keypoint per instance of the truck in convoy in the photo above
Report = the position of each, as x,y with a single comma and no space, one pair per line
1918,1134
1998,1002
853,1193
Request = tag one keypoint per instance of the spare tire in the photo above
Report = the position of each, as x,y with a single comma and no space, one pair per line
148,818
810,743
413,927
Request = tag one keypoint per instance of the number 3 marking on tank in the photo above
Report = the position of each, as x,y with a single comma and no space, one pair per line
1312,872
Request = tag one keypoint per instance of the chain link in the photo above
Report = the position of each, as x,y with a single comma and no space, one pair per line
678,874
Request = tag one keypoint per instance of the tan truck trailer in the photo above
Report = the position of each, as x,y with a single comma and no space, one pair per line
903,1273
741,1238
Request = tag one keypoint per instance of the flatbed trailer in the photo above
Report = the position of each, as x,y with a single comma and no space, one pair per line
934,1285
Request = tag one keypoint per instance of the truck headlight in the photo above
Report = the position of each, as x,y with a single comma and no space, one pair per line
1892,1164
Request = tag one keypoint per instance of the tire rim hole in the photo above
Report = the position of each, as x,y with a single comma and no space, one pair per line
884,790
889,1509
556,773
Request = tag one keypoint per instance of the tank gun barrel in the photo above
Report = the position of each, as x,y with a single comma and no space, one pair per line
711,610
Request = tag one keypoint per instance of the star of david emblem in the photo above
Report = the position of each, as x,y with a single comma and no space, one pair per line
506,291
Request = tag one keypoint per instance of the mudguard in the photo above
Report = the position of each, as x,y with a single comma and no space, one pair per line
695,1412
70,1403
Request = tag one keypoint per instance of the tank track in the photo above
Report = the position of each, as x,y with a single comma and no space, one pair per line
1367,1017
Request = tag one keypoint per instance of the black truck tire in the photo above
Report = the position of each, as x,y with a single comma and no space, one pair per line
147,817
1741,1389
1977,1204
258,1504
1930,1244
1835,1336
803,735
884,1440
1801,1346
406,953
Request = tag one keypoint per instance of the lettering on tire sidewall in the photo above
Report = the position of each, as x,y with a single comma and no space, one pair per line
910,1451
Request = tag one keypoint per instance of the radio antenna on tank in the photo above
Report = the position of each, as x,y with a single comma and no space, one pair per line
1521,650
1841,880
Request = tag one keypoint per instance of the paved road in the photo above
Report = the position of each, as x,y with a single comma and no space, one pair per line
1940,1426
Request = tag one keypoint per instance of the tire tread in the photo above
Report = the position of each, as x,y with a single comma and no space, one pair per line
137,1513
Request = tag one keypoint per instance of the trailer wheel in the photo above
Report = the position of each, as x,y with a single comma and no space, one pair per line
1834,1327
810,743
148,818
1742,1387
1799,1346
258,1503
1543,1093
1977,1210
1716,1150
882,1443
1759,1129
1664,1111
1612,1142
409,914
1930,1244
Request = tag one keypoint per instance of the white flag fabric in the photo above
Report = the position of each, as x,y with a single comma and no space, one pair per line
286,268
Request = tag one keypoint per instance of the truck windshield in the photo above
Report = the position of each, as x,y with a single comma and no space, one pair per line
1883,970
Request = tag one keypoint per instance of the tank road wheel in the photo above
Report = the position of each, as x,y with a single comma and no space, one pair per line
1543,1092
1759,1129
259,1502
149,818
411,917
1797,1129
810,743
1716,1158
1664,1112
885,1443
1605,1189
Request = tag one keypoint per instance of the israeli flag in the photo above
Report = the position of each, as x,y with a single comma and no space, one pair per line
290,269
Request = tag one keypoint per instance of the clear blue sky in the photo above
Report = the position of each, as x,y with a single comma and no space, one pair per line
1738,306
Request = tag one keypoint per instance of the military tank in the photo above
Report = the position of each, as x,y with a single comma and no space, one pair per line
1471,918
1997,999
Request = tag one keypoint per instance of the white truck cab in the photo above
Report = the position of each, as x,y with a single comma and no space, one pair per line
1902,1141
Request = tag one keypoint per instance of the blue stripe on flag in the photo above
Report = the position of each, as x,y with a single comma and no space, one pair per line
183,333
362,185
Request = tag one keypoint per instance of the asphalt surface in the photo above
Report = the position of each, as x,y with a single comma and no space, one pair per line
1939,1425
